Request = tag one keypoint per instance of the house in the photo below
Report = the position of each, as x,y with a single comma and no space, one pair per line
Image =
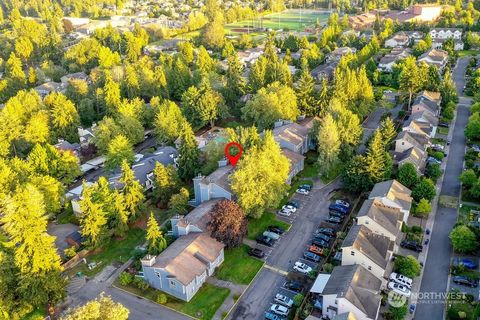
414,155
362,21
368,249
86,135
74,76
393,194
399,39
214,186
387,62
296,161
249,56
338,53
295,136
324,71
75,239
431,96
435,57
381,219
457,44
420,127
183,267
406,140
426,117
349,289
446,33
64,145
48,87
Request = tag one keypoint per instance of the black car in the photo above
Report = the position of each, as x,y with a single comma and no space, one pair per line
444,124
412,245
328,231
294,286
265,240
254,252
336,214
276,229
320,243
334,220
323,237
294,203
466,281
306,187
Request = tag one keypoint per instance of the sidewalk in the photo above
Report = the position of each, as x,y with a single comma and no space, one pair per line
236,291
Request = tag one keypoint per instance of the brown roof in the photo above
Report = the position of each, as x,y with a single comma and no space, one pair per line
394,191
387,217
372,245
293,132
413,155
432,96
188,256
424,128
418,140
437,55
293,157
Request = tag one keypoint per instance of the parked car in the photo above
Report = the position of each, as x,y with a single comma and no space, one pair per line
343,203
276,229
334,220
283,300
466,281
399,288
444,125
279,309
433,160
311,256
302,267
328,231
293,285
273,235
265,240
323,237
302,191
316,250
320,243
467,263
336,214
438,147
254,252
476,148
412,245
272,316
400,278
286,213
294,203
289,207
339,208
306,187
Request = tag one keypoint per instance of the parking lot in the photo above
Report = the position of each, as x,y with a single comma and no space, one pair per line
281,257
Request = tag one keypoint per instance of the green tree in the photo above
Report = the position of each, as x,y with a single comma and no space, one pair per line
407,175
433,171
468,178
187,50
201,106
408,266
166,182
375,157
472,130
132,190
424,189
104,132
93,218
256,77
179,202
102,307
410,78
235,85
305,93
355,177
204,62
270,104
259,180
463,239
111,94
188,154
423,208
329,148
64,116
387,129
169,122
119,149
156,242
448,89
213,33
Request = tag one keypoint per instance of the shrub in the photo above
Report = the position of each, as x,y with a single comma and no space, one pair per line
438,155
408,266
416,229
125,278
140,283
70,252
328,267
298,299
433,171
162,298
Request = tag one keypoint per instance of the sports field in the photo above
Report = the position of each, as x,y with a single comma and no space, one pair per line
293,19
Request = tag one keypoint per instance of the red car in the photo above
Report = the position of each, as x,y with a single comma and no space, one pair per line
316,250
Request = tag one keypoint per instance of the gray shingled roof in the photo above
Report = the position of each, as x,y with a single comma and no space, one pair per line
394,191
387,217
372,245
358,286
220,177
418,140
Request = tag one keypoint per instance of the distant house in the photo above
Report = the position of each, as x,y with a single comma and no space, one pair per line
75,239
86,135
338,53
324,71
440,35
399,39
294,136
362,21
432,96
48,87
387,62
214,186
64,145
74,76
368,249
183,267
393,194
414,155
296,161
349,289
435,57
406,140
249,56
381,219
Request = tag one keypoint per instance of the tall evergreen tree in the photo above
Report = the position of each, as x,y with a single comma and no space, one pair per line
188,154
168,122
156,241
93,218
119,149
329,146
305,93
376,157
132,190
166,182
387,129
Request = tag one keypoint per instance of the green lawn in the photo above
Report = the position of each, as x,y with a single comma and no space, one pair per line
113,251
36,314
202,306
464,53
442,130
238,266
311,168
258,226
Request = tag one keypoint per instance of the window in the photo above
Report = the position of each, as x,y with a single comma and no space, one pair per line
366,222
352,253
173,284
370,268
158,274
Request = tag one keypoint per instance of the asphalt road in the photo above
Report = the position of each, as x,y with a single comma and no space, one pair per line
288,250
435,276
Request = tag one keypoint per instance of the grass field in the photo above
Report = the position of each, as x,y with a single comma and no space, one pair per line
258,226
238,266
294,20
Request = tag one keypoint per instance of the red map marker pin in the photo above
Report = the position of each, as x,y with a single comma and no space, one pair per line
233,158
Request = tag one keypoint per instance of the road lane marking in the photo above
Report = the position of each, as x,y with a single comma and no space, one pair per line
277,270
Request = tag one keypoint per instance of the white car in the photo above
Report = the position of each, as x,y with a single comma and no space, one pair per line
438,146
303,191
302,267
399,288
272,235
280,310
285,213
342,203
283,300
289,207
401,279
